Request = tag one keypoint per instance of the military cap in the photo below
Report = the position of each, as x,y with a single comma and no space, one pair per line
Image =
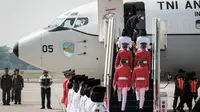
86,81
93,83
98,94
82,78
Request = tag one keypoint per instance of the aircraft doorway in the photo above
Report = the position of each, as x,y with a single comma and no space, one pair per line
135,8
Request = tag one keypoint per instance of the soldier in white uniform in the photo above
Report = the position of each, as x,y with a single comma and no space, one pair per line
97,97
125,39
83,94
89,103
70,95
70,107
77,95
143,39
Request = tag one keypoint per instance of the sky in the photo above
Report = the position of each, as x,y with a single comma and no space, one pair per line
18,18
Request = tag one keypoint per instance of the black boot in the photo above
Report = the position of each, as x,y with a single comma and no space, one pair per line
137,103
141,110
174,110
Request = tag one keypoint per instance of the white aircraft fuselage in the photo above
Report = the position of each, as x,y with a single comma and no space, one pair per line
71,41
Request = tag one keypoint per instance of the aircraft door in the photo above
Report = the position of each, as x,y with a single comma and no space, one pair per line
115,8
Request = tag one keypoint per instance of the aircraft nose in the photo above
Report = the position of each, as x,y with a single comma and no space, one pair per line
16,49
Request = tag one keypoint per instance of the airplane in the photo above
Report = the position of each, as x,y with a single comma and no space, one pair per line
71,41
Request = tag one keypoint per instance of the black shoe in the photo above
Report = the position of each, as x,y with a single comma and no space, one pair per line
19,103
141,110
49,107
8,104
4,104
15,103
42,108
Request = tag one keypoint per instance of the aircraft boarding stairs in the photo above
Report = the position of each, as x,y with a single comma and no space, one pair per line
131,105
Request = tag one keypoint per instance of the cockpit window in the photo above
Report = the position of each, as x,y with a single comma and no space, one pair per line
68,23
81,22
198,24
57,22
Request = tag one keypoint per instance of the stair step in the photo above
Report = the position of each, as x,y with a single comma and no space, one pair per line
132,103
131,109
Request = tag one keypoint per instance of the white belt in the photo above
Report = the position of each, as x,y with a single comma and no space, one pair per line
122,78
140,78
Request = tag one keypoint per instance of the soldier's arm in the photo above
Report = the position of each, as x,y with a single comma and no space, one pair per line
136,60
131,60
2,80
40,81
115,78
51,81
22,81
117,60
133,78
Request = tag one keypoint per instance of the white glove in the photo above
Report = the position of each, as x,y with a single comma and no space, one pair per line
114,87
133,88
129,88
147,88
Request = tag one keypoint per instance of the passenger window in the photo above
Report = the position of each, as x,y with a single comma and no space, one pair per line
68,23
81,22
198,24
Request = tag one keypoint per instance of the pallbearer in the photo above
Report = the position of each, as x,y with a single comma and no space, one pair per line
140,82
122,80
89,103
71,92
83,94
77,95
97,97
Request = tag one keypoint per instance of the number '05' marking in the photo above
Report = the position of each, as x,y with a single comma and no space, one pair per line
47,48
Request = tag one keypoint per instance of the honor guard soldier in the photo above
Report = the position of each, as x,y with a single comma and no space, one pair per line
68,75
140,82
71,94
89,103
45,83
97,97
77,95
6,85
124,54
143,54
18,85
125,39
122,80
83,94
179,88
143,38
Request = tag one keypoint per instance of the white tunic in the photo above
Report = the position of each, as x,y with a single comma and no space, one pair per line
70,98
142,39
76,101
88,105
82,103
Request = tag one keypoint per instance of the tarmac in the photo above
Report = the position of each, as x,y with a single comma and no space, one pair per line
31,99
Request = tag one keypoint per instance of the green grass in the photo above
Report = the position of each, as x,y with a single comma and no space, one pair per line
37,75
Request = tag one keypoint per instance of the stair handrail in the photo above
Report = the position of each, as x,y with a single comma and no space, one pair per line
109,57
